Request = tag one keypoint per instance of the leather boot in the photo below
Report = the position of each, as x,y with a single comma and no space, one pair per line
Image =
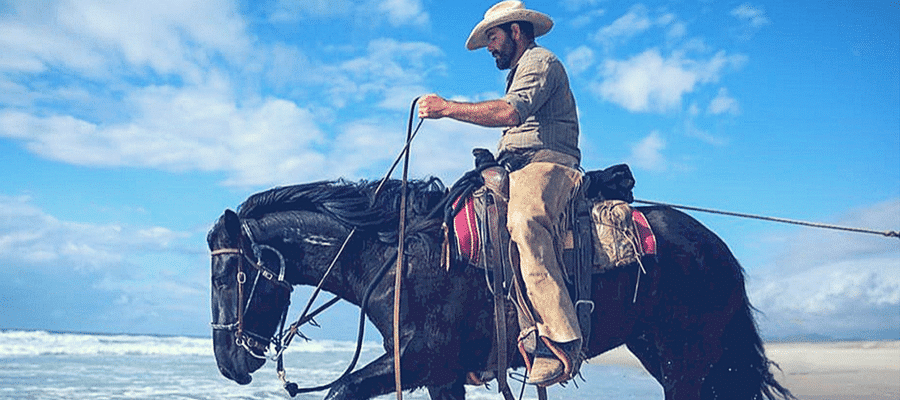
555,362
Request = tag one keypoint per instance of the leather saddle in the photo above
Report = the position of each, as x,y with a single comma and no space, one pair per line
602,228
602,232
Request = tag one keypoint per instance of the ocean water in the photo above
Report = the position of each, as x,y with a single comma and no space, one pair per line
44,365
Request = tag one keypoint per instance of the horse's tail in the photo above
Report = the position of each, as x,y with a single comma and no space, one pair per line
743,370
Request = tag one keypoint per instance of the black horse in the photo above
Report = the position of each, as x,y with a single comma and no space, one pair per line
691,325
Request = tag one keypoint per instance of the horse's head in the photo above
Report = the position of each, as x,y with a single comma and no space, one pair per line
249,297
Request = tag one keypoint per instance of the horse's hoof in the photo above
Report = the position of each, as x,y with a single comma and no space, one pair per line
479,378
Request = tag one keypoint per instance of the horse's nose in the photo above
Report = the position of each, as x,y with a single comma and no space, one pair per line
241,379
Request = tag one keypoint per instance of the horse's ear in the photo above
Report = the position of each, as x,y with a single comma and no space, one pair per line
231,221
228,226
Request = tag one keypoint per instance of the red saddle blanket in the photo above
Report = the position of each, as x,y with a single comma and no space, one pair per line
467,232
645,233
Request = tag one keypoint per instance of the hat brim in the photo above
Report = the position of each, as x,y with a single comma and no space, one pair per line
478,38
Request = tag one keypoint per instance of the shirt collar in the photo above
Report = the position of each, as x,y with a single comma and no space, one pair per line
512,69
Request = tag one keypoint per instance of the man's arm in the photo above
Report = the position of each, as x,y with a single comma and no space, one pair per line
491,113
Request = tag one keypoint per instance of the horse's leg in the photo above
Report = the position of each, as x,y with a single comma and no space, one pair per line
375,379
648,354
647,349
684,390
451,391
685,366
678,367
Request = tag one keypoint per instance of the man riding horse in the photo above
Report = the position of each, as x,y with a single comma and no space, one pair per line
539,147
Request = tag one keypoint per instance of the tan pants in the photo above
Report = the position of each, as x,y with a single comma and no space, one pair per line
539,194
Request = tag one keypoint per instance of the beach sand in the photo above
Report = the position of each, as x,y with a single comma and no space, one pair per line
822,371
839,370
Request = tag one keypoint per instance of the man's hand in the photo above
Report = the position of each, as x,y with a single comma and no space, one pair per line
432,106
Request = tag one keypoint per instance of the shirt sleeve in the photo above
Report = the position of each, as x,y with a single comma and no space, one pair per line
531,87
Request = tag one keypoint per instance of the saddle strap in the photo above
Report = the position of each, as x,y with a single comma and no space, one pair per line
583,268
493,219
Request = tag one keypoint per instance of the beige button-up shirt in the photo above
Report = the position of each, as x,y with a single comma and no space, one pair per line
538,88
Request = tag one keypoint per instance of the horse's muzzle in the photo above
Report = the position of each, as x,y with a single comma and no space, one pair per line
234,361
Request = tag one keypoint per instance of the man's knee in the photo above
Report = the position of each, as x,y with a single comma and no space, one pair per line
524,226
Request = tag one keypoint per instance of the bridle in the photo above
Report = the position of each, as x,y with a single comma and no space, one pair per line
248,340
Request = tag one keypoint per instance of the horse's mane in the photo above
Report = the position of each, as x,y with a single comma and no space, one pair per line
350,203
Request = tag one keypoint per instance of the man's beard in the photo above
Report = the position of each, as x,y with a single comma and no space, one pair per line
504,55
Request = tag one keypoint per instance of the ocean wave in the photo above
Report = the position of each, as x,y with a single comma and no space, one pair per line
38,343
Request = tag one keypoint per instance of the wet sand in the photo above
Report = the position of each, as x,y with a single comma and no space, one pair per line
822,371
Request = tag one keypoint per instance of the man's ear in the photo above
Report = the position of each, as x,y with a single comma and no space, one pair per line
516,31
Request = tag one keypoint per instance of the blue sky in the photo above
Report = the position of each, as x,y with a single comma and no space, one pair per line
126,128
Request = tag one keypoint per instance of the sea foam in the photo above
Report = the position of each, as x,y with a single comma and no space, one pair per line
36,343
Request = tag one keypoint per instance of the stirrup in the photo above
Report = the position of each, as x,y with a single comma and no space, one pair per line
568,354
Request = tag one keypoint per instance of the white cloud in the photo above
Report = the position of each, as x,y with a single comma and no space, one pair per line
371,76
723,103
149,268
34,48
98,39
442,148
576,5
676,32
206,126
395,12
649,82
290,11
635,21
404,12
752,15
579,59
647,154
31,238
399,98
202,128
389,63
585,18
377,72
180,82
753,19
658,79
691,130
639,20
834,283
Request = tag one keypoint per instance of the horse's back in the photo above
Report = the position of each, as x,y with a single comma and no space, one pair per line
690,245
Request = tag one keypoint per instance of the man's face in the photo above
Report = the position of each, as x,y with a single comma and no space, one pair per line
501,46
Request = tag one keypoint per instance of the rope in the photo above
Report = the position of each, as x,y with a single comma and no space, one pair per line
894,234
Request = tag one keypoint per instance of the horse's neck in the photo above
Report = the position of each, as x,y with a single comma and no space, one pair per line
325,253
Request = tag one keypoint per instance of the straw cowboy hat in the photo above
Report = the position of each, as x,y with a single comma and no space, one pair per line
503,12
